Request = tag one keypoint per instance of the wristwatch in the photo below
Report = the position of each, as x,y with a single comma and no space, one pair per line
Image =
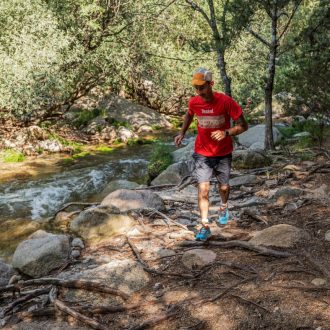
226,132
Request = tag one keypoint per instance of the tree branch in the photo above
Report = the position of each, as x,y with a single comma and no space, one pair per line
290,19
259,37
197,8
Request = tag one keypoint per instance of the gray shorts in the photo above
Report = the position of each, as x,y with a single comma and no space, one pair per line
205,167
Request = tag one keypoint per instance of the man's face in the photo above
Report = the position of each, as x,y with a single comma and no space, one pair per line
204,91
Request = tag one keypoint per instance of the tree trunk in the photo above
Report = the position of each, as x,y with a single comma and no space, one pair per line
223,74
269,141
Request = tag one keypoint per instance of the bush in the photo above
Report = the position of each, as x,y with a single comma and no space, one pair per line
12,156
161,158
86,116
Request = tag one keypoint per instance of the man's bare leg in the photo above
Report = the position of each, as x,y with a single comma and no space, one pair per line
203,201
224,190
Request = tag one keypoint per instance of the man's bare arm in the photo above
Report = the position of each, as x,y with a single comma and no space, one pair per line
186,123
240,126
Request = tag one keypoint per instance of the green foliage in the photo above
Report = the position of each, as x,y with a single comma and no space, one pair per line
160,159
81,155
12,156
86,116
104,149
176,122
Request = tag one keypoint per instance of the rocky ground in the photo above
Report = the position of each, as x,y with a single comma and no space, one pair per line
267,269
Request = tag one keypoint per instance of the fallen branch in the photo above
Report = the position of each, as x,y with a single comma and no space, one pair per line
169,219
317,265
250,302
80,317
253,215
240,244
151,270
75,203
23,299
77,284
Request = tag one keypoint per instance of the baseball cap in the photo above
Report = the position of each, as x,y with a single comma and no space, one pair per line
200,76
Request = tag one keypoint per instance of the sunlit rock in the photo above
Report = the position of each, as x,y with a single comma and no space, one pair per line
41,253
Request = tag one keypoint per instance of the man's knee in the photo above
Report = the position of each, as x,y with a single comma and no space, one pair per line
203,190
224,188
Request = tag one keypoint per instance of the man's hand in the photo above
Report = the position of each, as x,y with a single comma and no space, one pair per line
218,135
178,139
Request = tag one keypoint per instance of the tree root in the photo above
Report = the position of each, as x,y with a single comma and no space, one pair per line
240,244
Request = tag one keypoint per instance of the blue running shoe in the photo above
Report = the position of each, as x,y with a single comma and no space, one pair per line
203,234
224,217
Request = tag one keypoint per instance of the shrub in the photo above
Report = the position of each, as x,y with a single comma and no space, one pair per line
160,159
12,156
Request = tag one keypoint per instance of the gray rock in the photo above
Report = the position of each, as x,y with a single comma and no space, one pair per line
257,134
41,253
282,235
126,275
75,254
77,243
99,223
184,153
125,134
162,253
327,236
117,184
125,200
197,258
301,134
260,145
173,174
145,129
287,192
250,159
109,134
318,281
243,180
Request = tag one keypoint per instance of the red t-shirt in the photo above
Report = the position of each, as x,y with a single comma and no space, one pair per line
213,116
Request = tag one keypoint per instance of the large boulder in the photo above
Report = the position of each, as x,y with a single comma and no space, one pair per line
282,235
257,134
41,253
248,179
184,153
250,159
125,200
173,174
125,134
117,184
100,223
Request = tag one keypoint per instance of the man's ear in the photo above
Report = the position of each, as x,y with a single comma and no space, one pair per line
211,83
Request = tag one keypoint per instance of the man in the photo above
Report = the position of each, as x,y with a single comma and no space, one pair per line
213,146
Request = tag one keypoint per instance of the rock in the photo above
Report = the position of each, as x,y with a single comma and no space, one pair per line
283,235
108,134
134,232
145,129
319,281
250,159
117,184
77,243
243,180
126,275
257,134
75,254
327,236
198,258
173,174
301,135
96,125
162,253
292,167
290,208
99,223
41,253
6,272
125,200
62,218
288,193
51,146
184,153
125,134
260,145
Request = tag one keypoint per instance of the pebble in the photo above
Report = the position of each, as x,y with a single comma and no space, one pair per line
319,281
77,242
75,254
